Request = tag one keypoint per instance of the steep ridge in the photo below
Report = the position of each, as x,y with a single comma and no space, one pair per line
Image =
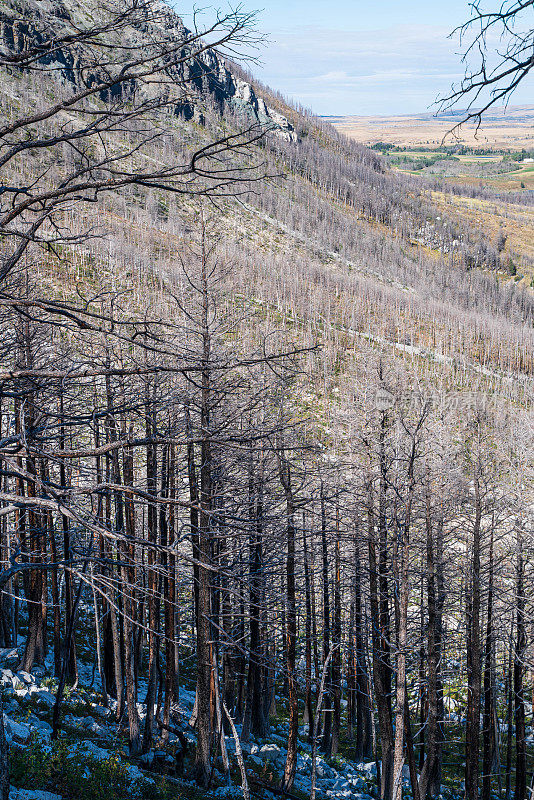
338,198
207,74
376,238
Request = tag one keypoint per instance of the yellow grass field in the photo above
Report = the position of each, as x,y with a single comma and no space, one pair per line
510,129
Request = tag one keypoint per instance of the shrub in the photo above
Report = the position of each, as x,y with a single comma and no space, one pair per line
72,772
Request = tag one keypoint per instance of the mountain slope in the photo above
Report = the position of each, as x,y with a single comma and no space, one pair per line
199,367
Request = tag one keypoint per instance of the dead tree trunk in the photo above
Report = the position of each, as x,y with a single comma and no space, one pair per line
254,712
327,718
152,581
72,669
170,599
430,779
364,739
380,665
308,707
336,645
402,710
472,730
291,626
488,727
509,716
205,684
130,606
519,666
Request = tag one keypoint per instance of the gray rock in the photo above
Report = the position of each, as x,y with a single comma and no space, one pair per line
91,749
9,655
270,751
16,730
147,759
45,697
89,724
43,728
134,773
31,794
101,712
161,757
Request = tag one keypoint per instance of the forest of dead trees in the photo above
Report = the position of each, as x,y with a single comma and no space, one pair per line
165,485
177,505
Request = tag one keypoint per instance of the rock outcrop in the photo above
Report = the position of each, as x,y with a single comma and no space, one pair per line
209,79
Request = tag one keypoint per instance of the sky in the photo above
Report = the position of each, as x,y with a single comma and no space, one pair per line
362,57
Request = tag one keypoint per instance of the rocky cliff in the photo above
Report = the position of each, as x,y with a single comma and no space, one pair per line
209,78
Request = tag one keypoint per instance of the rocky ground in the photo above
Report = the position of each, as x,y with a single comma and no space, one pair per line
91,758
92,746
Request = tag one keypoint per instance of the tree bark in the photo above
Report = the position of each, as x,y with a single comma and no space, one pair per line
291,627
380,665
430,778
336,645
327,717
488,728
519,666
308,707
152,581
364,739
473,653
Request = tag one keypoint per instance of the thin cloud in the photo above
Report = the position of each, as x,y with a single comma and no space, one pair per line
386,76
394,70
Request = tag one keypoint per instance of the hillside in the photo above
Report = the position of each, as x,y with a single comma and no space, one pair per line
266,415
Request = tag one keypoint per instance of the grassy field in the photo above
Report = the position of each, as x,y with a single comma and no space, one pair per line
511,129
421,138
513,180
514,175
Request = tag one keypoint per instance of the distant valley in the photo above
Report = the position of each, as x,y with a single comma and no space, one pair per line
510,128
